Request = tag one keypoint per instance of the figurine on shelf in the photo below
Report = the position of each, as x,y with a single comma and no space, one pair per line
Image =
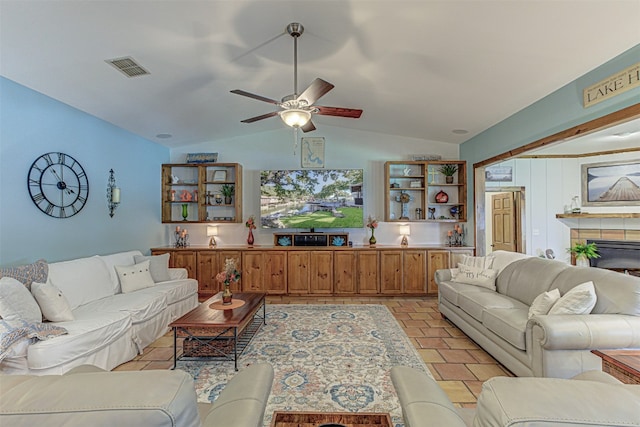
185,196
432,213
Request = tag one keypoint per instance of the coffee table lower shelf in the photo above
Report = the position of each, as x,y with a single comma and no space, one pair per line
315,419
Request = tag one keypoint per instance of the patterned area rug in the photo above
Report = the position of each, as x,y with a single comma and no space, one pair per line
328,358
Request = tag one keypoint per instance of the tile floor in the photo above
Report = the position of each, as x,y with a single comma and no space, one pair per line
459,365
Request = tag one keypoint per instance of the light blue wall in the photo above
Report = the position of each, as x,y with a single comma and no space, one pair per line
556,112
32,124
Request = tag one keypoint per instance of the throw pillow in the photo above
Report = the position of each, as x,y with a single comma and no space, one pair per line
484,262
25,274
52,302
16,302
134,277
543,302
579,300
476,276
159,266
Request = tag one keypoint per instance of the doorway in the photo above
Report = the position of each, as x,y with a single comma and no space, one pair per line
505,225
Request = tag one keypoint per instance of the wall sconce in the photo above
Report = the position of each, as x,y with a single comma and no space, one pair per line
405,230
113,194
212,231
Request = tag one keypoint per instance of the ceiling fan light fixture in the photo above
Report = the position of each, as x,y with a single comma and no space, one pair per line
295,117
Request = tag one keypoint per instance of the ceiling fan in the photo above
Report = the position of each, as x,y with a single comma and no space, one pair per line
296,109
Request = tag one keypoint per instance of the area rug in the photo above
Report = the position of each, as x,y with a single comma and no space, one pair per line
327,358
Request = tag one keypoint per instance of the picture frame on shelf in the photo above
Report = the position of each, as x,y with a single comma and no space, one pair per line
611,183
219,176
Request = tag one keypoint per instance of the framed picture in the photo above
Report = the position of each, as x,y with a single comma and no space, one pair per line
219,176
611,184
312,152
498,174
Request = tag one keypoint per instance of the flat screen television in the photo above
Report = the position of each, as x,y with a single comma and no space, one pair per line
311,198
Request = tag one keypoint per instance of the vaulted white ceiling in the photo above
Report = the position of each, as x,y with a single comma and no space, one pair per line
417,68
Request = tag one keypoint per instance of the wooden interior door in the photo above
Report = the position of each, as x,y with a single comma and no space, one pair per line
504,218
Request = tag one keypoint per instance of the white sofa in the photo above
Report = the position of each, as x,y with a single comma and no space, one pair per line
109,327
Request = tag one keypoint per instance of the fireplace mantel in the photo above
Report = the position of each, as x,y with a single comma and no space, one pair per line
598,215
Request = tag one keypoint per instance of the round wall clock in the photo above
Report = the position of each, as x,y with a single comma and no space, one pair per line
58,185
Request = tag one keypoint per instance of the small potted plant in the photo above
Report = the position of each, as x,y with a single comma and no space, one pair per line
227,191
584,252
448,171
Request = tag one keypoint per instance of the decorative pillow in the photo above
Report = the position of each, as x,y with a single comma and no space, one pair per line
476,276
158,265
134,277
13,331
484,262
52,302
543,302
579,300
25,274
16,302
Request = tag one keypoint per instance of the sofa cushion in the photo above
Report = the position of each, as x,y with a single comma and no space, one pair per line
25,274
158,266
139,305
90,332
510,324
579,300
16,302
134,277
451,291
504,258
119,258
52,302
478,276
527,278
174,290
543,303
475,303
81,280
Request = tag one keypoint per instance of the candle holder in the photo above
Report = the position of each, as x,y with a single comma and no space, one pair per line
113,194
182,238
456,236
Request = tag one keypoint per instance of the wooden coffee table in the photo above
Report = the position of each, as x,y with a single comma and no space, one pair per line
621,364
314,419
212,334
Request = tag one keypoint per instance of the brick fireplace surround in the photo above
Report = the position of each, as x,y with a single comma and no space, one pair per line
581,235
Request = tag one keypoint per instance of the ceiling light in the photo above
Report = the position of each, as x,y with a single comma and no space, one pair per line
164,136
295,117
460,131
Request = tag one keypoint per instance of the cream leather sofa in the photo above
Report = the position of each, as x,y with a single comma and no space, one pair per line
87,396
592,398
109,327
544,345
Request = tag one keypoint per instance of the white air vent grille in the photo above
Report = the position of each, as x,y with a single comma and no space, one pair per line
128,66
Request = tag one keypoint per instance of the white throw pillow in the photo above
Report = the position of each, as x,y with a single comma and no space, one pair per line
579,300
16,302
484,262
52,302
158,265
134,277
543,302
476,276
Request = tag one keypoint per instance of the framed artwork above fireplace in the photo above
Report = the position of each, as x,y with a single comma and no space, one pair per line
611,184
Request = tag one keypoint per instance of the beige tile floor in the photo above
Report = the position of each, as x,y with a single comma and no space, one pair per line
459,365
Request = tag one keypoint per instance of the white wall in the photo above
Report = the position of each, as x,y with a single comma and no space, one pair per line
343,149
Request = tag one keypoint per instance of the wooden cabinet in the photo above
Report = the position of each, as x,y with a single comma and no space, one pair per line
344,272
264,271
417,191
182,258
298,272
310,272
390,272
210,263
368,272
414,272
194,192
436,260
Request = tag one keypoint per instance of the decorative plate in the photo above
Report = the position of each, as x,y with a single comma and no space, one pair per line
442,197
337,241
284,241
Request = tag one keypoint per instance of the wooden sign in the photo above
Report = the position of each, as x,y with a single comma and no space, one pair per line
616,84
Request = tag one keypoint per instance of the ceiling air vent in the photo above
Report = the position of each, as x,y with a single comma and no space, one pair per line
128,66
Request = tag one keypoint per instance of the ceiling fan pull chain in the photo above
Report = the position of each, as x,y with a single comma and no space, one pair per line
295,141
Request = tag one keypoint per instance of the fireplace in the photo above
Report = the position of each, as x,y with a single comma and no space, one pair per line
618,255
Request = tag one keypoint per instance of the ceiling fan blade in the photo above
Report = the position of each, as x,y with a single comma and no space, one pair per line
254,96
315,91
256,118
339,112
308,127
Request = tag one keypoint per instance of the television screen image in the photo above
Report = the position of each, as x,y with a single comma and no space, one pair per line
311,198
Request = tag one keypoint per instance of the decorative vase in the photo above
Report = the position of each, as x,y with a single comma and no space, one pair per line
227,200
227,295
372,239
582,261
250,237
185,211
449,179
